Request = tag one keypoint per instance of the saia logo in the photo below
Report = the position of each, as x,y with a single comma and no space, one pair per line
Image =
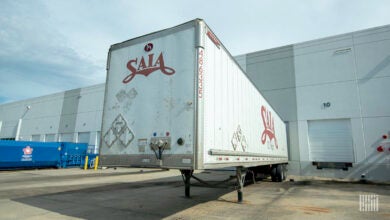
145,66
269,127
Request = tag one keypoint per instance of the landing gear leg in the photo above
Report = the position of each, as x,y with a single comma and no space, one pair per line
186,175
240,173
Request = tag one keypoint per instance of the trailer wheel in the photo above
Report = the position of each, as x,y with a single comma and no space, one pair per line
284,172
273,174
280,173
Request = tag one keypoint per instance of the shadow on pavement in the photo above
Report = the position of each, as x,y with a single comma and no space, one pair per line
154,199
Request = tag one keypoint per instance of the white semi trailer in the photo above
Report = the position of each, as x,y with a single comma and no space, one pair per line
177,99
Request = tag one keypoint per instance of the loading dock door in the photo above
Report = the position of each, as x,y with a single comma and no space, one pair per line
330,141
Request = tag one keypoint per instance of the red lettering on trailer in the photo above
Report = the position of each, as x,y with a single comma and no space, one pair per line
200,73
146,68
213,38
269,127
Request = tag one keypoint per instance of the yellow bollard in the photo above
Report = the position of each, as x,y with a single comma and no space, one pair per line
96,162
86,163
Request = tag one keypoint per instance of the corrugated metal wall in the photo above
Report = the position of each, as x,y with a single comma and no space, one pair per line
340,77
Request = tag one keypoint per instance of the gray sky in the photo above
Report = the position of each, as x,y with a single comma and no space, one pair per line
49,46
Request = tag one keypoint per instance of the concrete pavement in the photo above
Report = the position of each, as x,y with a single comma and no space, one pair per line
129,193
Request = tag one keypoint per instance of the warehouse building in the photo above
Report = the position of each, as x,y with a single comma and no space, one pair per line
73,116
332,93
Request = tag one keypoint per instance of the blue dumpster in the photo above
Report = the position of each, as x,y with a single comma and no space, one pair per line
28,154
73,154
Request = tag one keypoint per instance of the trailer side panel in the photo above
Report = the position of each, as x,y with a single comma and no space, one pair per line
240,127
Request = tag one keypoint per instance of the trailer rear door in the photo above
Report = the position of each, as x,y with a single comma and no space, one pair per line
150,100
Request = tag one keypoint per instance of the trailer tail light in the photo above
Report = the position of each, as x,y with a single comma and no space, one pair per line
380,149
384,136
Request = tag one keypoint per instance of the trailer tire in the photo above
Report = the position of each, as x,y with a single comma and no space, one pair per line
273,174
280,173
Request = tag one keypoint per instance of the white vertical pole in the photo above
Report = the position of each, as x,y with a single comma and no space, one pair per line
97,142
18,129
1,124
